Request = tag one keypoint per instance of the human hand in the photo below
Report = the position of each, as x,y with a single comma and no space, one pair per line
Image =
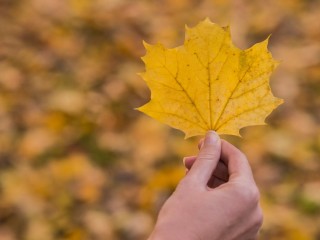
215,200
220,174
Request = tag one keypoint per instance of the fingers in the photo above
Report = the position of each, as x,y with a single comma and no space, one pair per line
238,165
207,159
221,170
188,161
232,165
200,143
215,182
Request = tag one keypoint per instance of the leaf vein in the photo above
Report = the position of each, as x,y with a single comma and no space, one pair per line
250,90
228,99
175,77
241,113
178,116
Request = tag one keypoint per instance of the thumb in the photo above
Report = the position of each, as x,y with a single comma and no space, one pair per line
207,159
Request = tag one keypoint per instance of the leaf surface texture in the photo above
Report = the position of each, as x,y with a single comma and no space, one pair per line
208,83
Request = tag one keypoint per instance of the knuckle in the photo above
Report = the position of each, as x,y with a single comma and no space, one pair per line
258,218
240,153
255,194
207,156
250,195
237,153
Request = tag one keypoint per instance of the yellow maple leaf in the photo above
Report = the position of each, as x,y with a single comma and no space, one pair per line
208,83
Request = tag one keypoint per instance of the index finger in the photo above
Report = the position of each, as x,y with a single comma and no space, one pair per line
237,162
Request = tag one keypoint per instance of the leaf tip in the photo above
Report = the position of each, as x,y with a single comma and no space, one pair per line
269,36
278,62
266,41
207,20
280,101
140,109
146,45
140,74
189,135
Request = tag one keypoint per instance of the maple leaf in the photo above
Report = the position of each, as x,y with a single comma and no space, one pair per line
208,83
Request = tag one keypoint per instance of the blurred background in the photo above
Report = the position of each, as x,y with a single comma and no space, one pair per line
78,162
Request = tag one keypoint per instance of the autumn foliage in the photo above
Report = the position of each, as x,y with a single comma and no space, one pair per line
78,162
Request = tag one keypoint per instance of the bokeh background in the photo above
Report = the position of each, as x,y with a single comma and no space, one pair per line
78,162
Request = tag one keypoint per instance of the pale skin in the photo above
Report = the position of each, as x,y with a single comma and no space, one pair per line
217,199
